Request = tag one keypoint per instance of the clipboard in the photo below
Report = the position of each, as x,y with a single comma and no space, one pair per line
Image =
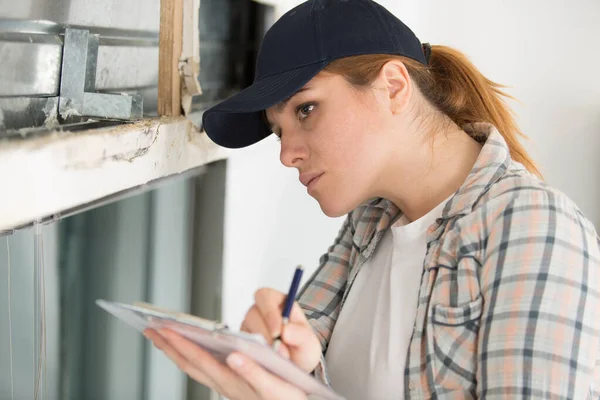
216,338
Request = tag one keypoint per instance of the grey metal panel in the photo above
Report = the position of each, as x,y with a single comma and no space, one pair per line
114,268
17,30
26,112
130,14
169,283
29,69
128,39
150,97
35,9
72,83
120,60
92,62
112,106
73,255
78,81
207,254
22,332
126,67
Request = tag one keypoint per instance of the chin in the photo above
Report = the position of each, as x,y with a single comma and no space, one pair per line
334,210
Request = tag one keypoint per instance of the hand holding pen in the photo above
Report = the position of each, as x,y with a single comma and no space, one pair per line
289,302
288,326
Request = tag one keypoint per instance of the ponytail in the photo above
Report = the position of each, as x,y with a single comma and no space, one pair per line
453,85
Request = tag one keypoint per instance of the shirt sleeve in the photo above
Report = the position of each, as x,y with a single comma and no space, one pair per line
540,328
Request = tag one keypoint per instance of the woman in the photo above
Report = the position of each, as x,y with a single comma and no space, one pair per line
458,273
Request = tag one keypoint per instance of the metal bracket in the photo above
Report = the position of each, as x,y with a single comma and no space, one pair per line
78,81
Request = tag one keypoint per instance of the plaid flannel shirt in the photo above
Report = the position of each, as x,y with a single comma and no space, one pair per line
509,302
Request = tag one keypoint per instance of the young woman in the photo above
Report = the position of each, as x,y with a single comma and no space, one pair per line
458,272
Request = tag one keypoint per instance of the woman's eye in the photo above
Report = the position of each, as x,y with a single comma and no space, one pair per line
304,110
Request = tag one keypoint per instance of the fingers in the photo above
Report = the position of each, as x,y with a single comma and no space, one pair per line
295,335
240,379
303,345
198,362
282,349
178,359
266,385
254,323
270,305
194,361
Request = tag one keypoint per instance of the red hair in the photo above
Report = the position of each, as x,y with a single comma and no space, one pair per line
453,85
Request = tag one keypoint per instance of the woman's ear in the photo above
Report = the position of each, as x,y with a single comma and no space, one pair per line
394,78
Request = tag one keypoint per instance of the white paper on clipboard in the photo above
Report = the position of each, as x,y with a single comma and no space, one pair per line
217,339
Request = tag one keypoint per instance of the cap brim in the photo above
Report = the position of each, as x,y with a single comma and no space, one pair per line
237,122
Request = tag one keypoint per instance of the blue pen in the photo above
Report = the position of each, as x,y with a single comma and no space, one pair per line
289,302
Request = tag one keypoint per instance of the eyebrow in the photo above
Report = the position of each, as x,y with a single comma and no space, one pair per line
279,107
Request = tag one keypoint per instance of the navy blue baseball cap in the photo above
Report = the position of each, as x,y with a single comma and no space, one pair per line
295,49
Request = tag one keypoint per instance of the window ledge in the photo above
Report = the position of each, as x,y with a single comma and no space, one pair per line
44,177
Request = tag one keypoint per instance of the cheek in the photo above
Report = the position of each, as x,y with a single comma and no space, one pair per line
348,152
355,137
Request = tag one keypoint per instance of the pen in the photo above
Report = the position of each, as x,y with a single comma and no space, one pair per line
289,302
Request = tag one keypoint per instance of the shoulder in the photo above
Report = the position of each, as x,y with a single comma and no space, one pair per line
519,213
523,198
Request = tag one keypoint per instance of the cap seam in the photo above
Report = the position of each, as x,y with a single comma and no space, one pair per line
293,69
375,9
317,31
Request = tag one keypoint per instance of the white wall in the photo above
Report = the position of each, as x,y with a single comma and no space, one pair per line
547,52
544,50
271,225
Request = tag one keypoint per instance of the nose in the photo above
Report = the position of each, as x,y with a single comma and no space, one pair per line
294,149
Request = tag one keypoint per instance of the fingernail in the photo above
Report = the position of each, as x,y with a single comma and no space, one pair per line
235,361
276,345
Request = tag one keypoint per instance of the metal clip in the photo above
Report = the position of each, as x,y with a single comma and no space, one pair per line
78,81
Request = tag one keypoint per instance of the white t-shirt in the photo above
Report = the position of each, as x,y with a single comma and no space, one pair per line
369,344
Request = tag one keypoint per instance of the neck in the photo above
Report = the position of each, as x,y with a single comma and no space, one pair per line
429,171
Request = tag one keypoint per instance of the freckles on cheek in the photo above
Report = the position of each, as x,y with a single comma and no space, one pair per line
343,132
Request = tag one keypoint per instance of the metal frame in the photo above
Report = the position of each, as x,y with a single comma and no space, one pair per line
50,32
78,77
48,53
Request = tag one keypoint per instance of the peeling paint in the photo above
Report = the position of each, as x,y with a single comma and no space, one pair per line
51,111
97,163
69,112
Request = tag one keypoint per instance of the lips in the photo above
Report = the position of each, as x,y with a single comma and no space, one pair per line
307,178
